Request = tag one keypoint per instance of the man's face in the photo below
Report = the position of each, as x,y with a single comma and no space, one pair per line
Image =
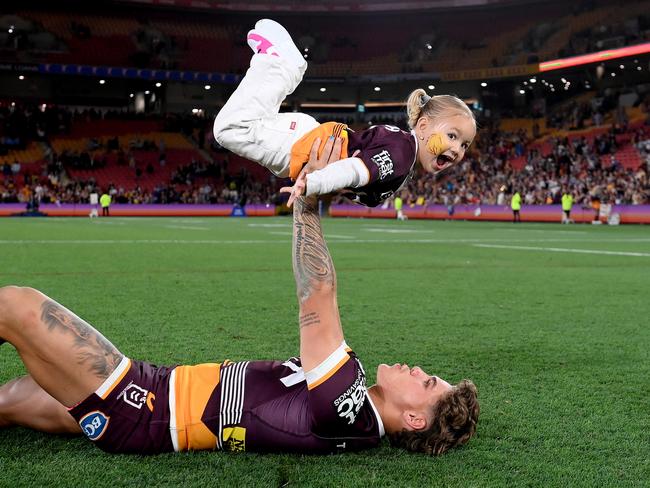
411,388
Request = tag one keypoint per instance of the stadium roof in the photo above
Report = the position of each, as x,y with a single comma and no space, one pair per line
331,6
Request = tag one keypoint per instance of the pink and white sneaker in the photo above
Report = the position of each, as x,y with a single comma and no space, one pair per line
269,37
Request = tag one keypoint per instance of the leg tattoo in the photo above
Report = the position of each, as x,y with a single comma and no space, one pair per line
93,349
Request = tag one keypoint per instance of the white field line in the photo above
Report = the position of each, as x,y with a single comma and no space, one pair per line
477,242
104,222
288,224
560,249
570,232
396,231
186,227
329,236
188,221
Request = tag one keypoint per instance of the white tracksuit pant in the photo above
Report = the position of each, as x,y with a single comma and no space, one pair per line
249,123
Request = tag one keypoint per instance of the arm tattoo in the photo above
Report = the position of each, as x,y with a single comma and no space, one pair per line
312,263
93,350
308,319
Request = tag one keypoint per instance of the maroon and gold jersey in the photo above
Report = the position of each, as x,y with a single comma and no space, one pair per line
389,153
276,406
242,406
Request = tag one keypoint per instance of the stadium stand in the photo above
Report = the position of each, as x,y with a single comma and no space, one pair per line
337,46
141,162
166,157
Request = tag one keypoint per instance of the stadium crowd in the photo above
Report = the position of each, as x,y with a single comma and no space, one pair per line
587,167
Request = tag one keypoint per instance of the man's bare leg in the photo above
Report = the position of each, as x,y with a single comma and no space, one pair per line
64,355
24,403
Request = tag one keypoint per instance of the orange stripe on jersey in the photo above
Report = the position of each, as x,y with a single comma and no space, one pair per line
329,374
302,147
193,387
106,390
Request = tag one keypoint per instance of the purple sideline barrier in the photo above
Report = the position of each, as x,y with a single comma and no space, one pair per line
630,214
122,210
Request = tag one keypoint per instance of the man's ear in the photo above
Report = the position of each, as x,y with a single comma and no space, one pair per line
414,420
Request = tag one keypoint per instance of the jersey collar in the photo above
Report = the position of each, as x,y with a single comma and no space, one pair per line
380,423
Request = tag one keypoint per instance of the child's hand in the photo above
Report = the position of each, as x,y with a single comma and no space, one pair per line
298,189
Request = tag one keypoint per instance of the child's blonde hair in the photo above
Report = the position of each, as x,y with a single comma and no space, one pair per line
420,104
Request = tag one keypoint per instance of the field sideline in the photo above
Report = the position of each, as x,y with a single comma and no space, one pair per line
551,322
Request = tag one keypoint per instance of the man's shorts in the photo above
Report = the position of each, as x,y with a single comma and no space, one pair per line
129,412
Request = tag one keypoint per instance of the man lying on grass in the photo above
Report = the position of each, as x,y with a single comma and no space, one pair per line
79,382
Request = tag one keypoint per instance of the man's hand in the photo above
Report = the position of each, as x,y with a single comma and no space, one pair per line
331,152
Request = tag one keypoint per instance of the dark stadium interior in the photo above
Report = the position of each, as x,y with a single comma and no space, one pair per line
124,102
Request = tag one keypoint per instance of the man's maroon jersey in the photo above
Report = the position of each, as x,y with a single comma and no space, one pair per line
250,405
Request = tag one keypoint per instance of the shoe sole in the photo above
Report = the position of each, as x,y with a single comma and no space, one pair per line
268,26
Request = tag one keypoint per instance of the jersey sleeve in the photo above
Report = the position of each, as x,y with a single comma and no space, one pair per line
337,393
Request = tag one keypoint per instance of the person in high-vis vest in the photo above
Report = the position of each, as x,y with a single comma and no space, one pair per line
399,203
515,205
105,202
567,205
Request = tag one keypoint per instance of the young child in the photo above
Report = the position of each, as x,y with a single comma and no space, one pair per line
374,163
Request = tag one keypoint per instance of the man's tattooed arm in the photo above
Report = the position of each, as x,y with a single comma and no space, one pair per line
93,350
320,324
312,263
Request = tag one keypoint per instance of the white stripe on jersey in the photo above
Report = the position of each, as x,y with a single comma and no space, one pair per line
327,365
231,403
172,410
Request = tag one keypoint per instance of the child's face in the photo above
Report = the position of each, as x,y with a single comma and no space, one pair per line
457,133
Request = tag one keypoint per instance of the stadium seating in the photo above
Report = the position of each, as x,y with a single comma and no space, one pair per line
341,45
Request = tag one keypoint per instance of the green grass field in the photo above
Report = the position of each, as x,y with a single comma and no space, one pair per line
551,322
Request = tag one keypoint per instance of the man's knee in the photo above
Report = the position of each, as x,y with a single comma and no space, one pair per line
17,307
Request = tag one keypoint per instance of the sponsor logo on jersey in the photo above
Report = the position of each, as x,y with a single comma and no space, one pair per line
94,424
234,439
293,125
135,396
349,403
384,164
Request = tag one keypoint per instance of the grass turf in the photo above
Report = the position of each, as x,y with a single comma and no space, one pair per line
557,342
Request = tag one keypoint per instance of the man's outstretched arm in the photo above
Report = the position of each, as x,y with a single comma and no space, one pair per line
320,325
